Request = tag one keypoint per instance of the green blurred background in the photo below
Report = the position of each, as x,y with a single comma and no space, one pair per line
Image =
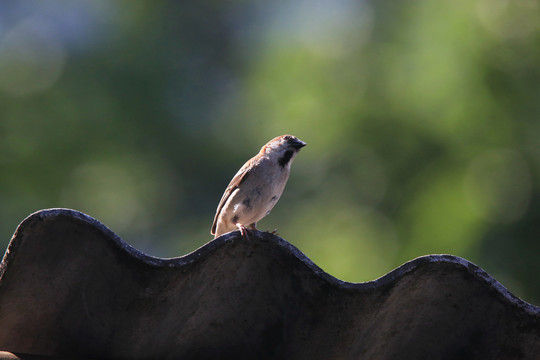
422,120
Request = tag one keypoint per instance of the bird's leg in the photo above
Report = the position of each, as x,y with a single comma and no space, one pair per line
243,230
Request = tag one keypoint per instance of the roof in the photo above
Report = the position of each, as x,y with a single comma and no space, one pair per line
70,287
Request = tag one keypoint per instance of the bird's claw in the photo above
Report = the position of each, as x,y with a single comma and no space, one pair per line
244,231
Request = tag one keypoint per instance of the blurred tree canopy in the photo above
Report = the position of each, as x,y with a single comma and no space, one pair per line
422,120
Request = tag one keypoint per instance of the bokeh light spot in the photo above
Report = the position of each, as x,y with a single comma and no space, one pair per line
31,58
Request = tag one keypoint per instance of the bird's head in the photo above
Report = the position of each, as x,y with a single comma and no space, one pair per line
283,149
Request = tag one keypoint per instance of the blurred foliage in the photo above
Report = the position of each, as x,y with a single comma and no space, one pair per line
421,118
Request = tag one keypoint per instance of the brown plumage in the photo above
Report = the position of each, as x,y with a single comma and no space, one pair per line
256,187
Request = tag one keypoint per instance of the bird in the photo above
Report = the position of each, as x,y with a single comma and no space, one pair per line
256,187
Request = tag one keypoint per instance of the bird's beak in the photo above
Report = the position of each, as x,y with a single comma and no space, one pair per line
298,144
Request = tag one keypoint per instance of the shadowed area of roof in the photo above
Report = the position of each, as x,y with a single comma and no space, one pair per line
70,287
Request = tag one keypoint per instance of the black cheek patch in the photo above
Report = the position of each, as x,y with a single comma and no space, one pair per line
247,203
282,161
235,219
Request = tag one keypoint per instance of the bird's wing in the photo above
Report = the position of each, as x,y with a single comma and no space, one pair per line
240,176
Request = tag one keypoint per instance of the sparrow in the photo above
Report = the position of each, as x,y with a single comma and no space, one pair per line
256,187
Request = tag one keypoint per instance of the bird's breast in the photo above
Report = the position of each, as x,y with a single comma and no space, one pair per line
260,193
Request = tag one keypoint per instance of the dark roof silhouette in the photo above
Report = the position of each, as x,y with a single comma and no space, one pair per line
70,287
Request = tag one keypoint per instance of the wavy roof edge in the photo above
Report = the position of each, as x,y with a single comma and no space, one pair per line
214,245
